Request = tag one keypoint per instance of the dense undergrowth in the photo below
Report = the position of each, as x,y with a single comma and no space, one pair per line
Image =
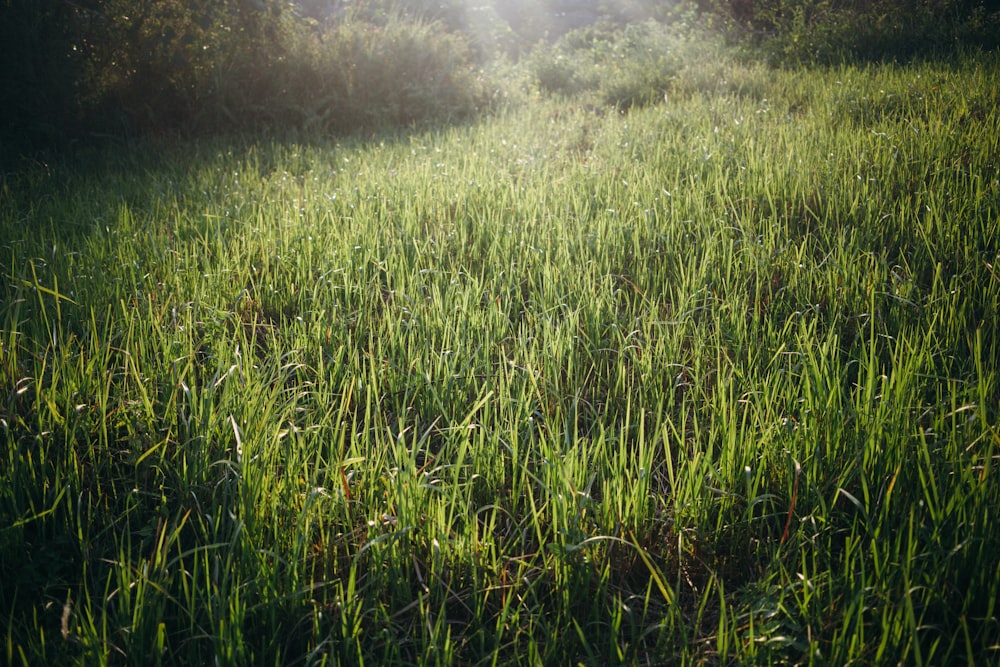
711,381
79,73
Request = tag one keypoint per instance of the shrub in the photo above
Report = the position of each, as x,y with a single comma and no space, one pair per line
360,75
796,32
620,66
351,75
204,66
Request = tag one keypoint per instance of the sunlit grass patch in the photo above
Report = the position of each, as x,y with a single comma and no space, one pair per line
714,380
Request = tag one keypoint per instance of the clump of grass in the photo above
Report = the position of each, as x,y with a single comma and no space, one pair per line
715,381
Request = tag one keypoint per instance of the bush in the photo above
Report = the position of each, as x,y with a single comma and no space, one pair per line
151,62
619,66
206,66
795,32
360,75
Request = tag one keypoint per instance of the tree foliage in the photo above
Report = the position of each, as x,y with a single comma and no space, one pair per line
827,31
74,69
196,66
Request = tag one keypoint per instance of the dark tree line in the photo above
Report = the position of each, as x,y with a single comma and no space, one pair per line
73,70
827,31
76,69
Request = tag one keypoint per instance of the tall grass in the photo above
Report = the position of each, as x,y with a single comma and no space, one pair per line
713,381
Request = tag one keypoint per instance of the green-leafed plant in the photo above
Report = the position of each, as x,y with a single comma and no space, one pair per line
712,382
191,67
836,31
621,66
357,75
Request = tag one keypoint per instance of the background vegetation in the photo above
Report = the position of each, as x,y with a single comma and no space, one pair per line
674,356
79,71
195,68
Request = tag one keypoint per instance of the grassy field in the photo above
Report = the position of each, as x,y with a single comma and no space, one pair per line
711,382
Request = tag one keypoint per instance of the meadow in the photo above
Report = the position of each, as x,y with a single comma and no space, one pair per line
713,381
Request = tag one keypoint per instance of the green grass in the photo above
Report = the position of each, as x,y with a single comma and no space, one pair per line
711,382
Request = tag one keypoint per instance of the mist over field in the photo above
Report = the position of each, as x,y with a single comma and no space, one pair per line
499,333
